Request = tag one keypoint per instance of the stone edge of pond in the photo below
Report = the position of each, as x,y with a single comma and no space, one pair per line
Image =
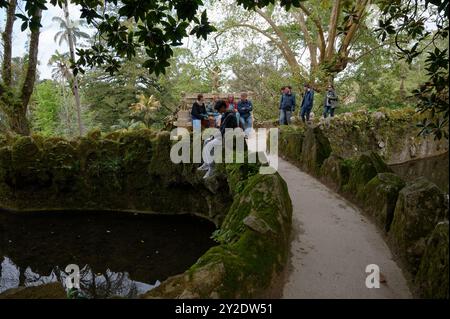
413,216
254,246
254,236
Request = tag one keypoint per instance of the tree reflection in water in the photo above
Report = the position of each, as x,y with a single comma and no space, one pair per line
92,285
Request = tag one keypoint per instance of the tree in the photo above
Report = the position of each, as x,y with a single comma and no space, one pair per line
14,103
61,73
69,34
410,19
46,108
327,29
157,26
72,26
145,110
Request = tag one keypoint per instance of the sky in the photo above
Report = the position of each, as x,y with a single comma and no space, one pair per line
47,45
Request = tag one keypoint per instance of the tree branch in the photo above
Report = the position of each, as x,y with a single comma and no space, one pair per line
308,39
332,29
353,27
286,51
322,44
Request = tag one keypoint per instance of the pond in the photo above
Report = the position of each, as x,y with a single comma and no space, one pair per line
119,254
433,168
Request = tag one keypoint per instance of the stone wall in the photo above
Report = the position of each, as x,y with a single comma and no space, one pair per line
413,215
129,171
254,240
132,171
392,134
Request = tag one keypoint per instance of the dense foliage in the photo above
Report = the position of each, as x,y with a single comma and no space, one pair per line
377,53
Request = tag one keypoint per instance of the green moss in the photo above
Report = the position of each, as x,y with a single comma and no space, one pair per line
316,149
420,206
362,170
432,277
379,197
290,143
335,171
244,264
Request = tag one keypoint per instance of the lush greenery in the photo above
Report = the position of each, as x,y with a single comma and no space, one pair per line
388,54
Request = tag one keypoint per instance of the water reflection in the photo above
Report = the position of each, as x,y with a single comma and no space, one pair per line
92,285
118,254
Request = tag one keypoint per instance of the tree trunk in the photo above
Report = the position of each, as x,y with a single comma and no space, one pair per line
72,57
7,43
20,123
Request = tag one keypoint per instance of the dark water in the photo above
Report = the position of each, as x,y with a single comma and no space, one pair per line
434,169
118,253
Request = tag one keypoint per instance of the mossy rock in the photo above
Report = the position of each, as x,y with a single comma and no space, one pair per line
363,169
420,206
28,165
432,277
61,160
316,149
247,260
48,291
335,171
290,143
379,197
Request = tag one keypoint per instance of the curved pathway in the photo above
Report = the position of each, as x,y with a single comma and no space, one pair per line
332,245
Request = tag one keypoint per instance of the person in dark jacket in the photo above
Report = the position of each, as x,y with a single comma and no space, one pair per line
287,106
307,103
245,107
227,121
330,102
198,113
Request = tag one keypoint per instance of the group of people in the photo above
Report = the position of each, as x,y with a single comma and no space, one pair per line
212,113
287,104
221,114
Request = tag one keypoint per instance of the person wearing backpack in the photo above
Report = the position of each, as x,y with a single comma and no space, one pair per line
330,103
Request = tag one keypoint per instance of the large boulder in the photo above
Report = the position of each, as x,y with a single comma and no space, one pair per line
363,169
432,277
335,171
380,196
316,149
420,206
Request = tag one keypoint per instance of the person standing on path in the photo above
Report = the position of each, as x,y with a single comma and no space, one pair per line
307,103
287,106
330,103
245,107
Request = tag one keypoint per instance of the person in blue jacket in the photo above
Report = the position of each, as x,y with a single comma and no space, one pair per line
287,105
245,107
307,103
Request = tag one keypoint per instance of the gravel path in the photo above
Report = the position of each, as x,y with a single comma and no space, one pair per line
332,245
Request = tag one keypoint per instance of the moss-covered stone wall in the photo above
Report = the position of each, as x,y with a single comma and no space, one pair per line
133,171
392,134
254,244
413,215
127,171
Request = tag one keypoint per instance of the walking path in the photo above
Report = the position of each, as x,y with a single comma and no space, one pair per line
332,245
